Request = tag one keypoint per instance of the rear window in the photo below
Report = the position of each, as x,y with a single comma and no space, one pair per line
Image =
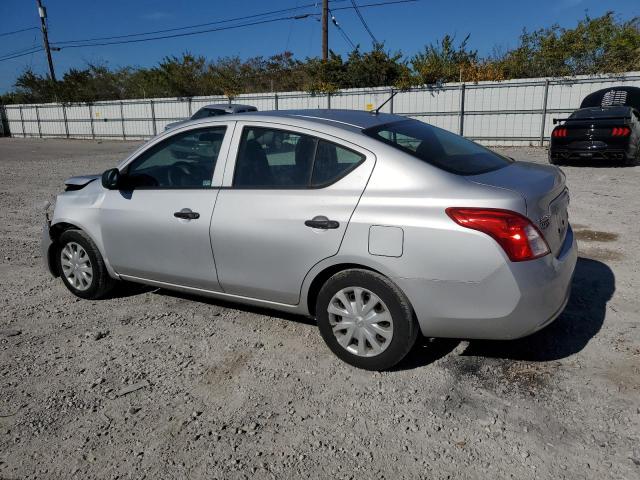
601,112
438,147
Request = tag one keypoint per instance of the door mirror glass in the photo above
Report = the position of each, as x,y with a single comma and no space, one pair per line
111,179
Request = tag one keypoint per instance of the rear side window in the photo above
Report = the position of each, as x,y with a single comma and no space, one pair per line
438,147
272,158
332,162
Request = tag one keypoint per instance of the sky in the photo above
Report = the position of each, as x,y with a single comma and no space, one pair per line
406,27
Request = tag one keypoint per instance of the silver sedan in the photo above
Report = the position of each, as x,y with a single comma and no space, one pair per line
380,227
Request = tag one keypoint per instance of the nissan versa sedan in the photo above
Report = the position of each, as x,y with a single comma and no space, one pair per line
379,226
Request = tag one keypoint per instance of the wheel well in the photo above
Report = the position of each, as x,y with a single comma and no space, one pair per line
323,276
54,232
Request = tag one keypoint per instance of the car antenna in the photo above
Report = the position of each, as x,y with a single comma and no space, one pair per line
377,110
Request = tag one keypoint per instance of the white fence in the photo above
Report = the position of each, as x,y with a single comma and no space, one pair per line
513,112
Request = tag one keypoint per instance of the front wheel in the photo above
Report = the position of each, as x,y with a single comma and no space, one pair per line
81,266
365,319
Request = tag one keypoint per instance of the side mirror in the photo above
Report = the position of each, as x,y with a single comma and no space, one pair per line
111,179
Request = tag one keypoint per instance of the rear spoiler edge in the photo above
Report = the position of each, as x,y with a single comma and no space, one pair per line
558,120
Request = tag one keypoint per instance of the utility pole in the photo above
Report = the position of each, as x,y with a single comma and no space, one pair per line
325,30
42,12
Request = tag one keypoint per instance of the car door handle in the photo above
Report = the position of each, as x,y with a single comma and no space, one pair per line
187,214
322,222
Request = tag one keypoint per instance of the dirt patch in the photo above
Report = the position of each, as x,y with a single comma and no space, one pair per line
602,254
587,235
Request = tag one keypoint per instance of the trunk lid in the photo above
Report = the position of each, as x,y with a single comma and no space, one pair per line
544,190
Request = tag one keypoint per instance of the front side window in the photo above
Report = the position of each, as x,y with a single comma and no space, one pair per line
185,160
439,147
279,158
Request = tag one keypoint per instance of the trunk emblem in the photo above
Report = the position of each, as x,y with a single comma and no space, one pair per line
544,222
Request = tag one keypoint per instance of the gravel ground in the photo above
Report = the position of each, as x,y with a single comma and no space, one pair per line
153,384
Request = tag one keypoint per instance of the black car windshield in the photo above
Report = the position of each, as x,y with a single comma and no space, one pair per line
601,112
207,112
438,147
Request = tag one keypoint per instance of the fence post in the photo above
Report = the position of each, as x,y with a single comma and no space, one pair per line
329,100
66,122
124,135
38,120
190,107
544,111
461,119
391,92
153,117
275,99
93,133
24,133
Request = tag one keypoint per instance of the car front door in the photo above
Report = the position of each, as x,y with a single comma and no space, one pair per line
285,205
157,226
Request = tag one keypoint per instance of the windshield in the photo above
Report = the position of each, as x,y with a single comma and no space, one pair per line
438,147
207,112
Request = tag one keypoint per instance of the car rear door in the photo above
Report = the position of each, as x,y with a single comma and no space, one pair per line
287,197
158,227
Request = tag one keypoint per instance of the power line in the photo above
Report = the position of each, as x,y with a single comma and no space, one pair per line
22,53
8,54
187,27
366,27
92,43
341,30
36,50
187,34
18,31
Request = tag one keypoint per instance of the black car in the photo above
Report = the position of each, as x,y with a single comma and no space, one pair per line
606,127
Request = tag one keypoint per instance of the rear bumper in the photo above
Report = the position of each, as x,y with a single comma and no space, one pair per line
514,301
605,154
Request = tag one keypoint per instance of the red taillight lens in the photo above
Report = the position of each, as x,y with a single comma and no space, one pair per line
559,132
517,236
620,131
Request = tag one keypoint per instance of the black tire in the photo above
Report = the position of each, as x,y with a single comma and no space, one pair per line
629,161
101,284
405,326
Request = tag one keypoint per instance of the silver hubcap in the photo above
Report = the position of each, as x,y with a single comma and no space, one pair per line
360,321
76,266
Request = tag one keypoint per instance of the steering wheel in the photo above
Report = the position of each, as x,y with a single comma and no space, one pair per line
178,174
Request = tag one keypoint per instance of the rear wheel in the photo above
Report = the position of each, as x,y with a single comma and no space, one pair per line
629,160
81,266
365,319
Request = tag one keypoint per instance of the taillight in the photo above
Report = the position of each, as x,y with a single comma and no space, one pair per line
559,132
517,236
620,131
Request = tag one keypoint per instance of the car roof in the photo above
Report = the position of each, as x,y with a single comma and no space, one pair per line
355,120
